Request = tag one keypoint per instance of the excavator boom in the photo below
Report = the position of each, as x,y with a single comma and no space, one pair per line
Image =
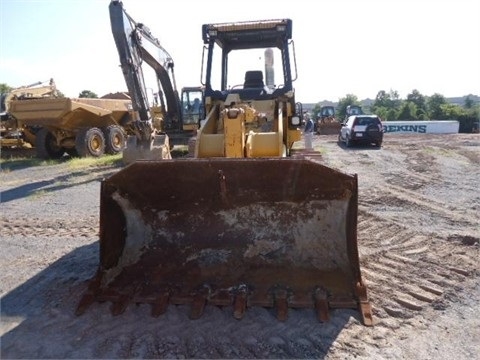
136,45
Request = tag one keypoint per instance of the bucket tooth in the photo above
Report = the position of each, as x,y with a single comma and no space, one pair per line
240,302
118,307
160,304
85,302
281,304
321,305
198,306
90,295
199,301
364,305
366,313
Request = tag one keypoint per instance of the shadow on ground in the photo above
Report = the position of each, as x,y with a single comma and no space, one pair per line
38,321
55,184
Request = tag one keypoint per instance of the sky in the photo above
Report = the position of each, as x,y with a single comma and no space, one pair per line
342,46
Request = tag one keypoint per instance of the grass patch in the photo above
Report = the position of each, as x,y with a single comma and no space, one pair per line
320,149
11,164
179,151
440,151
106,160
37,194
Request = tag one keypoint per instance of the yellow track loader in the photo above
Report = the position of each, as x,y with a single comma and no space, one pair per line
327,123
247,221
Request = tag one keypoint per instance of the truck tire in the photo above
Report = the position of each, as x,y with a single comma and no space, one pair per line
46,146
90,142
115,139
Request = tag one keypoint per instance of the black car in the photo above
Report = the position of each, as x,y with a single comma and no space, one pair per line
362,129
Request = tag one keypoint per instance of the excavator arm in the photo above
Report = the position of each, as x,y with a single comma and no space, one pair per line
136,45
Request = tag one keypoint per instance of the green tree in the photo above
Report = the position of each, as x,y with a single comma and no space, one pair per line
349,99
408,111
4,88
382,112
88,94
392,115
387,105
422,114
450,112
468,102
470,120
316,110
390,100
434,105
419,100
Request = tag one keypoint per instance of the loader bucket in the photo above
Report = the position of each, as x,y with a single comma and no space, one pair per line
277,233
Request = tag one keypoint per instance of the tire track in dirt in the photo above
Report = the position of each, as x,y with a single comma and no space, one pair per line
29,227
404,187
409,276
412,275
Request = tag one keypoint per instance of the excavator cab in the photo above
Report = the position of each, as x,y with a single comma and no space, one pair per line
247,221
192,107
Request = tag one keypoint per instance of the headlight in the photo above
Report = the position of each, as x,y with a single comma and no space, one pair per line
295,121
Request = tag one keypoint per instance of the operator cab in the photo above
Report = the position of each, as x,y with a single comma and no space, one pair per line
192,107
238,63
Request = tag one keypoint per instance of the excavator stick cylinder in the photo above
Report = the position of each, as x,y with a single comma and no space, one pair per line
272,232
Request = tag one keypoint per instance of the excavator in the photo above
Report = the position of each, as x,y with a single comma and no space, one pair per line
170,121
13,134
247,220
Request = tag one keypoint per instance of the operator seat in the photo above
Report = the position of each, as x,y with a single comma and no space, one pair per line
253,79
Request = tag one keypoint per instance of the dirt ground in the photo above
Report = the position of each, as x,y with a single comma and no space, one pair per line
418,236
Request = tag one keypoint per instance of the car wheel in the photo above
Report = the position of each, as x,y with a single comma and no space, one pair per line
348,142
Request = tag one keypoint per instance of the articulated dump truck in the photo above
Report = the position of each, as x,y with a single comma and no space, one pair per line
245,222
77,126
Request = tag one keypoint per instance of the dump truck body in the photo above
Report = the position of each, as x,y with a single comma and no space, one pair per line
270,232
70,114
78,126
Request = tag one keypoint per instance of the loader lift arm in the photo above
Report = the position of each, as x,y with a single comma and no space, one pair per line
135,45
